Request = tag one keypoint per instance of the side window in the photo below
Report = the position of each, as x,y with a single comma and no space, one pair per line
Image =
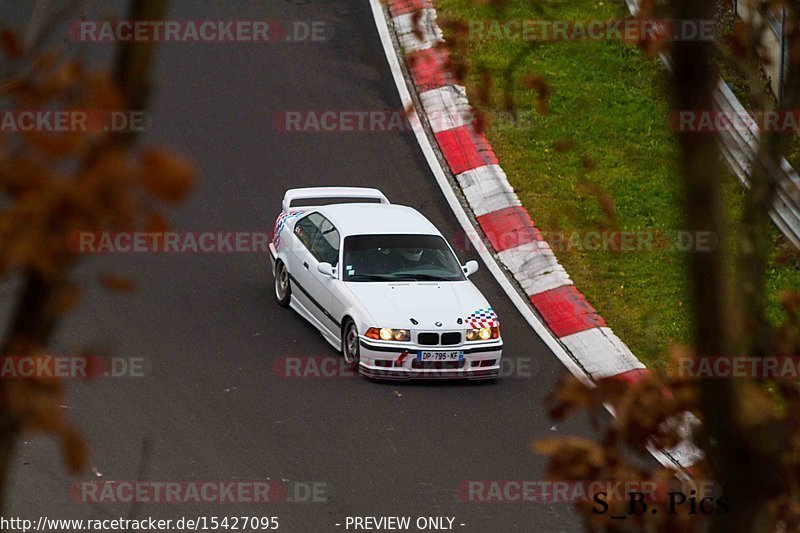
326,245
320,237
307,229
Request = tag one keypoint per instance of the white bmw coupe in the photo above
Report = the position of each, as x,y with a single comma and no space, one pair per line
383,286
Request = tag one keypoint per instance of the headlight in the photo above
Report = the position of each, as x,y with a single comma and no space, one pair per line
483,334
388,334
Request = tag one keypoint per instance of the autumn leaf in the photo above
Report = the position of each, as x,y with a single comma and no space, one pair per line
117,283
156,223
165,175
59,145
62,79
564,145
74,450
538,84
66,299
11,43
416,24
571,458
571,395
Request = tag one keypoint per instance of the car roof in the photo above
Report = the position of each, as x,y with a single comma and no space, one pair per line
375,219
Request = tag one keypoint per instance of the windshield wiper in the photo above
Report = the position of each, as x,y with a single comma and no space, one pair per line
420,277
369,277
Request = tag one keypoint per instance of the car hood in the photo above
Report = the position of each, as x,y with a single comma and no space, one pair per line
395,304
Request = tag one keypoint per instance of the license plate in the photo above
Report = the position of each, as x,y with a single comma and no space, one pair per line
440,356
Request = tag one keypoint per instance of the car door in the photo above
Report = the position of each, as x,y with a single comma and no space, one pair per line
320,241
299,258
326,250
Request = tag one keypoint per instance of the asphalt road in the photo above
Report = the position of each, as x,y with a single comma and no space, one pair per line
211,406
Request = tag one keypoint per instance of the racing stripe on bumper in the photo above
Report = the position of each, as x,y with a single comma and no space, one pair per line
413,349
516,240
401,375
387,361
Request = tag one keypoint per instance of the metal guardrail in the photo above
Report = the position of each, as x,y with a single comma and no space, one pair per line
740,149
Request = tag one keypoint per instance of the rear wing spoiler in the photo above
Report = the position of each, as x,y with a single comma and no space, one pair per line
327,193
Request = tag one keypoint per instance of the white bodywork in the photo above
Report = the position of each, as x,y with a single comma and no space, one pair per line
431,308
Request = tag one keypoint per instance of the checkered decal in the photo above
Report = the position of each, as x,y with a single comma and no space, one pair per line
280,224
483,318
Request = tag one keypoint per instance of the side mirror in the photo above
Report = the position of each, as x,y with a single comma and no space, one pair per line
326,269
470,268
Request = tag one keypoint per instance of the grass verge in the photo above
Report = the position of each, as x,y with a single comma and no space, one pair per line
601,157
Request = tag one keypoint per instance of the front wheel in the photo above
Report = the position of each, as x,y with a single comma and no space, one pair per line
283,289
350,345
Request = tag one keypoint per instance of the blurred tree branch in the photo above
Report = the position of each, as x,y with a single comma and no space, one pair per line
112,188
750,430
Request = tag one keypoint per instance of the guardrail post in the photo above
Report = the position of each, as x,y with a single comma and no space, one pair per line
782,71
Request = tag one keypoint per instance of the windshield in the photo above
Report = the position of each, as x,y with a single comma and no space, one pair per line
399,258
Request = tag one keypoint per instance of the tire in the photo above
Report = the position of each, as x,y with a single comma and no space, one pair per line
283,286
350,345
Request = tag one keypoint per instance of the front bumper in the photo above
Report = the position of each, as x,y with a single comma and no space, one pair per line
382,360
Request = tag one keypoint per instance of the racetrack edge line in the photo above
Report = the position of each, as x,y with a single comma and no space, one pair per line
458,209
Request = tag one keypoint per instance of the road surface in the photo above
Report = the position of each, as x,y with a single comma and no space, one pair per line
211,406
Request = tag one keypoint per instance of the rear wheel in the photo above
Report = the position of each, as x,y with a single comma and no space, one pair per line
283,288
350,345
